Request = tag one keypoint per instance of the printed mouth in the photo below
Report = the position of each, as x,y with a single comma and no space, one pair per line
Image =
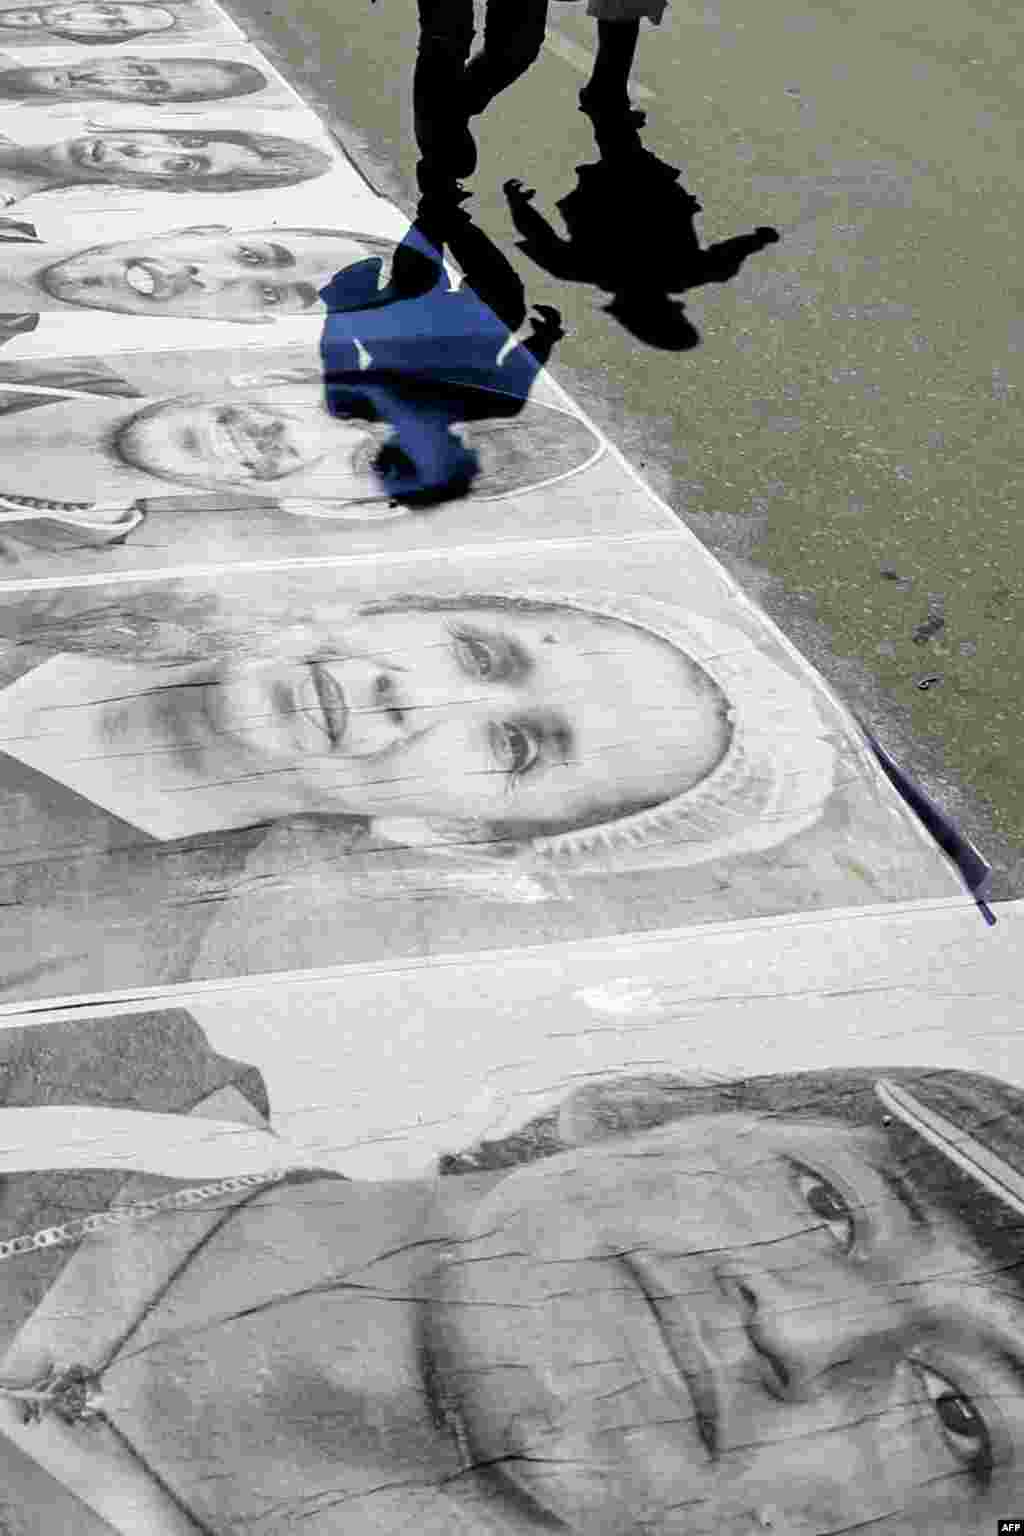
332,715
687,1353
149,280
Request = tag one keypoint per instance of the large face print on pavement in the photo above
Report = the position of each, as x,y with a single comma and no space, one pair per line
127,465
479,741
635,1299
269,275
104,24
202,272
216,78
64,155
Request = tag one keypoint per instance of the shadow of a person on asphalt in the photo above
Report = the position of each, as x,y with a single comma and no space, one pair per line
426,350
630,231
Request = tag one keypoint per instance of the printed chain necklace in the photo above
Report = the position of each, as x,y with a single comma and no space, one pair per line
74,1393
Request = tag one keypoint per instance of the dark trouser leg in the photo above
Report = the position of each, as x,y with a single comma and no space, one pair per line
513,35
439,113
616,48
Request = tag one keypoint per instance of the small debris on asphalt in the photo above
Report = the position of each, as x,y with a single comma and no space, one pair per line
933,625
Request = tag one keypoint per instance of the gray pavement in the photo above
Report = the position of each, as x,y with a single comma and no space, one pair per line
843,435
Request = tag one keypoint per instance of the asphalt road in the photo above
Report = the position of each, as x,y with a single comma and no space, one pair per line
844,434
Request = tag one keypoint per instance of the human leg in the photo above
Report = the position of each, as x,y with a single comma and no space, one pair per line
439,116
513,37
608,86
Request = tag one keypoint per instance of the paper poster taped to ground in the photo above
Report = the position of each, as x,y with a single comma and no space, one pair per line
338,763
639,1298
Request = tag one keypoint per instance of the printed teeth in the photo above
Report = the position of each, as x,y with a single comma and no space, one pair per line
141,279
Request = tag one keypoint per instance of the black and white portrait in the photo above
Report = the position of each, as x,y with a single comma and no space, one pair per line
127,458
205,272
643,1304
214,161
317,749
99,23
157,80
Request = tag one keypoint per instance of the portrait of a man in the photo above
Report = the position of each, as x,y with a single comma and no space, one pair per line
123,77
217,161
641,1306
95,22
89,453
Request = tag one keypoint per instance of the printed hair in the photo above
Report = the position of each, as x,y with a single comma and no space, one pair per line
620,1107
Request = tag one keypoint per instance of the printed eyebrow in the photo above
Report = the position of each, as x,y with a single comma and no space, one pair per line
1014,1362
899,1185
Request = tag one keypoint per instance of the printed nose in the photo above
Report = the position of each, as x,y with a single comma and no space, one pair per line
799,1331
386,701
390,705
379,716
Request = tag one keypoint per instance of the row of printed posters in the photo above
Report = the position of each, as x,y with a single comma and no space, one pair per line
411,1115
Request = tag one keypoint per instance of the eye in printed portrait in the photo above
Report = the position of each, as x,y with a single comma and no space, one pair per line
642,1305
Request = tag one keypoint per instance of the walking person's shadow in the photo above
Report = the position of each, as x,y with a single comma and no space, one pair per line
630,231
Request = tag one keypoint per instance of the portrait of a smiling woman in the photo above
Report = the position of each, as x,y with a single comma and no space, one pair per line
530,721
276,770
163,744
783,1303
